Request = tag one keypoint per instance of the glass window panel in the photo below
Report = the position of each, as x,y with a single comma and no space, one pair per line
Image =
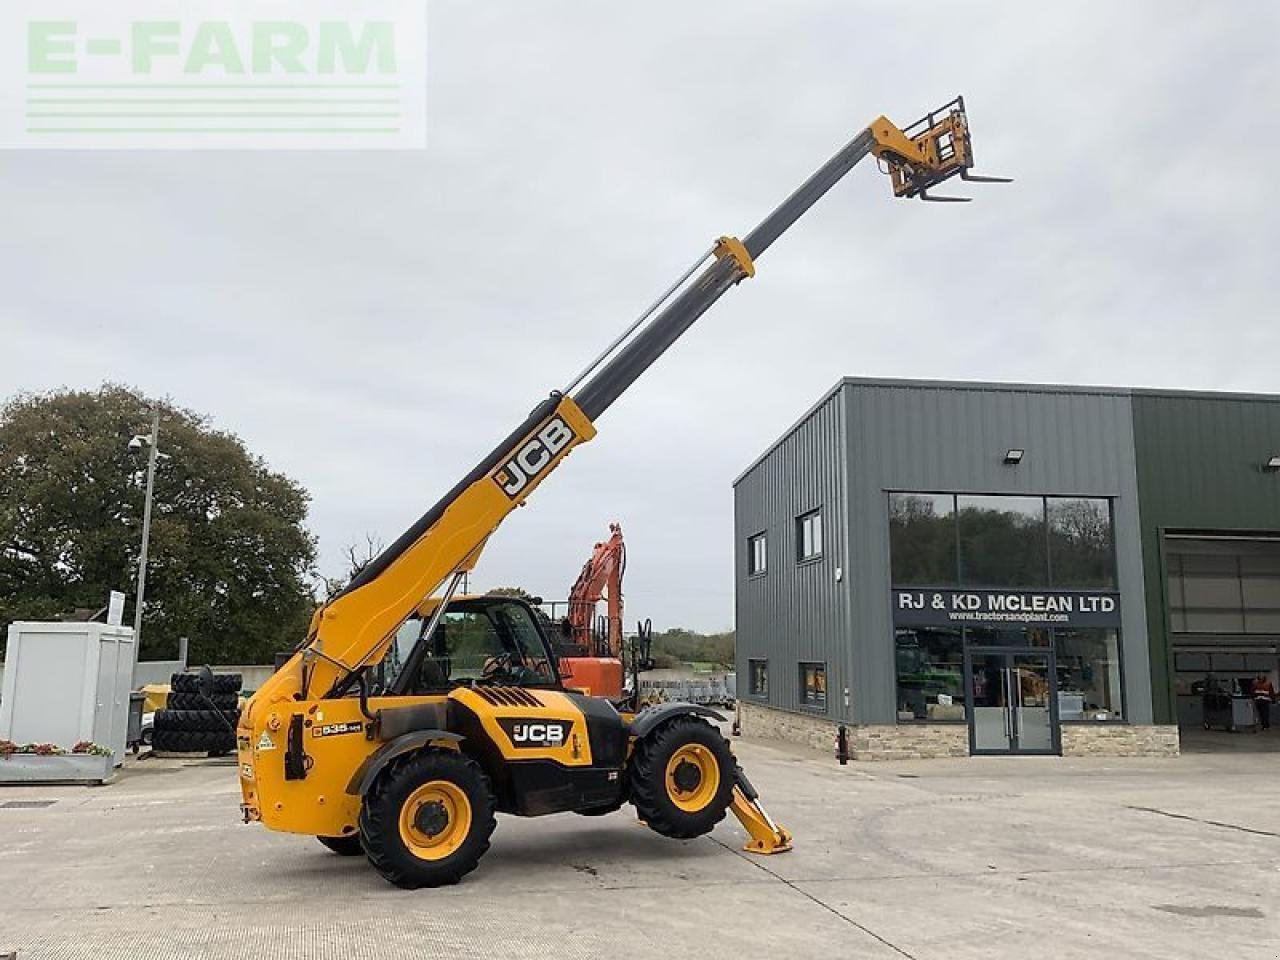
1262,621
759,676
1228,662
1210,564
1199,621
1081,543
1088,674
809,536
1175,581
1261,592
813,684
1191,662
1261,662
922,539
1002,541
1261,560
1214,593
930,667
1008,636
497,642
757,554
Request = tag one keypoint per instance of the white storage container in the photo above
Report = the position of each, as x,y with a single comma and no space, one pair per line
66,682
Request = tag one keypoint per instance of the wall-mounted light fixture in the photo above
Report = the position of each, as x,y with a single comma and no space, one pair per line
1273,464
1013,456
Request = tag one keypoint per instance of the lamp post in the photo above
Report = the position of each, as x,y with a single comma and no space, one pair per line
152,444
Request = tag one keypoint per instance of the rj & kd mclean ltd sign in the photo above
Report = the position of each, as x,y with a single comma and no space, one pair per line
1063,608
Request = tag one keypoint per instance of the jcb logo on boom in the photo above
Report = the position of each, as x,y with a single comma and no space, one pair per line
534,457
528,733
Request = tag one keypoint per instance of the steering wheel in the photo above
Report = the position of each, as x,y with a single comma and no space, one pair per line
497,666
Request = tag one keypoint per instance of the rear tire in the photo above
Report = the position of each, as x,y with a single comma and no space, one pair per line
682,778
427,819
348,846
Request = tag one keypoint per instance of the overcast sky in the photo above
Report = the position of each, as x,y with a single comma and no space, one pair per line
372,323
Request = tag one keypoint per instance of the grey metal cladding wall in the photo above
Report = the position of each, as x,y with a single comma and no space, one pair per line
794,612
1200,466
952,438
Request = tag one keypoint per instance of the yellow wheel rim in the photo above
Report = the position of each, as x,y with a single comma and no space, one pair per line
693,777
435,820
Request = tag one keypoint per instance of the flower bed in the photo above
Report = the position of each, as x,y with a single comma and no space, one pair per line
47,762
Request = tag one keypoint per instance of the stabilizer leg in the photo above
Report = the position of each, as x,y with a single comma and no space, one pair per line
766,836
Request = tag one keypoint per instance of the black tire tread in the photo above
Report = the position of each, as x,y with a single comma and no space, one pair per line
194,701
648,778
192,741
190,682
197,721
348,846
379,825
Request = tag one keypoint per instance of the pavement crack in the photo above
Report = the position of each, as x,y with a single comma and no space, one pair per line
1028,871
821,903
1211,823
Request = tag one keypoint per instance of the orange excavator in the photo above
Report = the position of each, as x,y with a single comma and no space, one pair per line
592,660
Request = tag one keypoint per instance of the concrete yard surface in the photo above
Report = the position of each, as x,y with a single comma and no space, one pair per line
950,859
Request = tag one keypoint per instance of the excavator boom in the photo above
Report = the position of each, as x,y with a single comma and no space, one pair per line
600,579
595,664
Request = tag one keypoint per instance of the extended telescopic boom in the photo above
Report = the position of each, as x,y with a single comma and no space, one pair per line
938,150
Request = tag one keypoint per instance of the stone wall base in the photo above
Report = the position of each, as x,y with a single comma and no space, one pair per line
1119,740
889,742
911,741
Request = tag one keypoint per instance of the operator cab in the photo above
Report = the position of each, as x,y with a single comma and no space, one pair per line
479,640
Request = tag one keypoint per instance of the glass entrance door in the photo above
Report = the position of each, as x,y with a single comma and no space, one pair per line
1013,702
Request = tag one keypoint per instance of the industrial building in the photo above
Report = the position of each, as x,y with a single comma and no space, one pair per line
949,569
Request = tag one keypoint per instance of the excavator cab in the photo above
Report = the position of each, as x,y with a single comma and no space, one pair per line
928,152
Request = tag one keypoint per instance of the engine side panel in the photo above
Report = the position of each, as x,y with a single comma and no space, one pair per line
546,751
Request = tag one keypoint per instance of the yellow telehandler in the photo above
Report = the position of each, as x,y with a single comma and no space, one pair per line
408,717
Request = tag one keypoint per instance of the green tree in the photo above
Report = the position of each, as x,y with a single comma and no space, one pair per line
229,553
677,646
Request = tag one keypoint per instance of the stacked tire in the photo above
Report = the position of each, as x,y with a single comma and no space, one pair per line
193,722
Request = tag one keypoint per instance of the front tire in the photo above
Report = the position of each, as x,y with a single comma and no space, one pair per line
682,777
427,819
348,846
604,811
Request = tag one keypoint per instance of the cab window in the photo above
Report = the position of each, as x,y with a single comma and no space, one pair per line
472,643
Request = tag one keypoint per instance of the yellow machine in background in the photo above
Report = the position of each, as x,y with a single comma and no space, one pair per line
407,717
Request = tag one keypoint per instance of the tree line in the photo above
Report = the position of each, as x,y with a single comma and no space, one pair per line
230,555
232,565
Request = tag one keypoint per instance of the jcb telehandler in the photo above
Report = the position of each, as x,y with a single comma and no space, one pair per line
407,718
